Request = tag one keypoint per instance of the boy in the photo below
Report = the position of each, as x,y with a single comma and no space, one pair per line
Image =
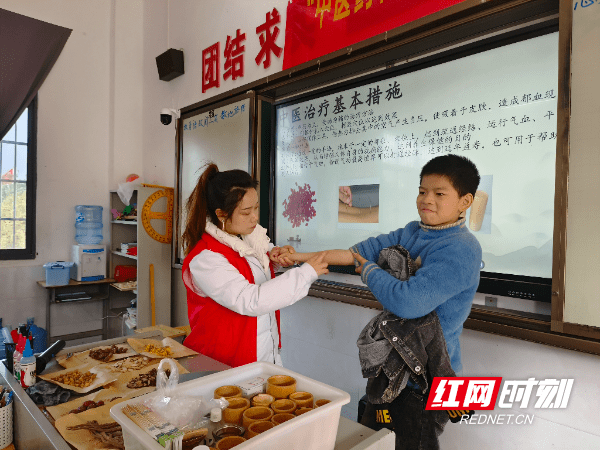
447,254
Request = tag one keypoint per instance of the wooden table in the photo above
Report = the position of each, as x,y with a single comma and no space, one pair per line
78,291
33,430
173,333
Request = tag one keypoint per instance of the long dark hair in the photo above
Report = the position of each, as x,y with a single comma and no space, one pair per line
214,190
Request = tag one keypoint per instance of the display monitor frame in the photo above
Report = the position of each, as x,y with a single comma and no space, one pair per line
494,283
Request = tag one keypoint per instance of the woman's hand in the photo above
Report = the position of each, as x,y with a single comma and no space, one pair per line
281,255
360,260
346,195
318,264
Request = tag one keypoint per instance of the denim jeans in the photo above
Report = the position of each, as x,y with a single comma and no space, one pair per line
415,427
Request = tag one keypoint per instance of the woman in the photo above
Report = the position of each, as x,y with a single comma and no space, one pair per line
233,295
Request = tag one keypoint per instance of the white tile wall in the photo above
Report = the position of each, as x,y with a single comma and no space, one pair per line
329,367
319,341
489,355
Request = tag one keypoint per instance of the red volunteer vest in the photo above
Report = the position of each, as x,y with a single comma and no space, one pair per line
218,332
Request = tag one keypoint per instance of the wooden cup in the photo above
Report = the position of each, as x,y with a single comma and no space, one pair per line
229,442
284,405
281,386
258,427
302,399
301,411
228,392
278,419
321,402
256,413
193,438
262,400
237,406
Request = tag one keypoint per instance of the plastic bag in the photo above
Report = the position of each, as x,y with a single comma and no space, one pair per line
182,410
125,192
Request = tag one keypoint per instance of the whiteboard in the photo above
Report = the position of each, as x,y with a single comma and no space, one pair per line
500,112
222,135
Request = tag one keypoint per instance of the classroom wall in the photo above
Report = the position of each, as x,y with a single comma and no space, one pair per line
90,135
191,26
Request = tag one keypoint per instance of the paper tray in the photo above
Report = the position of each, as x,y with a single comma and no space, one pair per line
103,377
83,358
316,430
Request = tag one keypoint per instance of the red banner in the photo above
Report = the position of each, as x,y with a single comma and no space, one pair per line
317,27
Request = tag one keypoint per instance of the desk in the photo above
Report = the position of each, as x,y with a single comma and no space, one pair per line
78,291
33,430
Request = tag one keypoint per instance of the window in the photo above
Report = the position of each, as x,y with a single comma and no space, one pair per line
17,187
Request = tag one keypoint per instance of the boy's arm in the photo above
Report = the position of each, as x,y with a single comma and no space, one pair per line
332,257
446,272
369,249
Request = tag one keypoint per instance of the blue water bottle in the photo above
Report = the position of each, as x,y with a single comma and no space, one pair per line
88,224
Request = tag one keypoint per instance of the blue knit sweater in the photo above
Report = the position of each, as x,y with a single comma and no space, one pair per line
446,281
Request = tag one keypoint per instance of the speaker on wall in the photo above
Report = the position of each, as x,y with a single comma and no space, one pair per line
170,64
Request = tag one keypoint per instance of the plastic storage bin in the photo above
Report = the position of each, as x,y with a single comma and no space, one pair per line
58,273
316,430
125,272
88,224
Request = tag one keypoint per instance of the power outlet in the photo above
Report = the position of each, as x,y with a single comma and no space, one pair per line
491,301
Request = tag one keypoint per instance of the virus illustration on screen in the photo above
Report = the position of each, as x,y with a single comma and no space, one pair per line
299,206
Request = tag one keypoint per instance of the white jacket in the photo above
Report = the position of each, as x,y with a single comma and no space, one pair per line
213,276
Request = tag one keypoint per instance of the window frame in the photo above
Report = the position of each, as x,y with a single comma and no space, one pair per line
30,209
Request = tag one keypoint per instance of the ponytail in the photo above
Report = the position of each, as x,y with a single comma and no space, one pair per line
195,209
214,190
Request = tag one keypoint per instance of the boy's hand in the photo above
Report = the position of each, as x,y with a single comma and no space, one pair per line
280,255
360,260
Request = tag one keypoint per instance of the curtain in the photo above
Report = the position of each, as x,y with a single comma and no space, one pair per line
28,50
